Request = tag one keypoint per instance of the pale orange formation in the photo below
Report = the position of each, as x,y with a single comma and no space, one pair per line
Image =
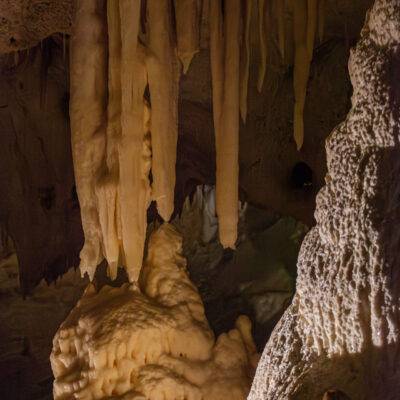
135,163
110,134
225,54
88,78
305,22
163,75
151,343
187,14
119,136
245,60
280,11
107,185
301,68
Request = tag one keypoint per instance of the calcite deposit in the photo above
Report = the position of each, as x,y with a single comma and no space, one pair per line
151,342
124,116
341,332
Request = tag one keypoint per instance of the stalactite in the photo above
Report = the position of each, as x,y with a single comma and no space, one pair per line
134,185
312,13
228,143
106,188
87,111
245,61
280,10
188,15
217,59
321,19
224,49
163,75
205,24
116,195
263,45
301,67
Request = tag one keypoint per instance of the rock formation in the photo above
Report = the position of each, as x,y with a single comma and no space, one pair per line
267,154
341,331
115,181
153,343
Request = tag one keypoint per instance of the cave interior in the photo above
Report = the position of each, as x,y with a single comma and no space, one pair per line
200,199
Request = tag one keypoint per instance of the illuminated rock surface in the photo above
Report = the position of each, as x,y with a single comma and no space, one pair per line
126,343
342,328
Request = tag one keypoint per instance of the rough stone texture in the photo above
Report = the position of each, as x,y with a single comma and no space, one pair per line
24,23
342,329
151,342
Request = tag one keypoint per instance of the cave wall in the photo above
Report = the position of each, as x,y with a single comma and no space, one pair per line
39,206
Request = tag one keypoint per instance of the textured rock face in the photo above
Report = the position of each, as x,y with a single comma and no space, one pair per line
124,343
342,329
24,23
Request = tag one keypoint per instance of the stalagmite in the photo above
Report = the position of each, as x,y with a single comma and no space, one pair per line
245,61
163,75
301,67
225,81
321,19
188,18
341,334
263,44
153,344
134,157
87,110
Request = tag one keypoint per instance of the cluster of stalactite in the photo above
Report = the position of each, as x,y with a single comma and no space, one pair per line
126,60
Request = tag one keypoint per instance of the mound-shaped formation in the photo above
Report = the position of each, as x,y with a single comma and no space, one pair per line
154,343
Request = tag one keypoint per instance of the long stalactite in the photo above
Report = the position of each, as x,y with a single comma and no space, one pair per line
134,185
163,74
88,79
188,20
124,110
224,50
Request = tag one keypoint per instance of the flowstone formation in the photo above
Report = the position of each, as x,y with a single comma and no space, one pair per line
341,332
151,343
